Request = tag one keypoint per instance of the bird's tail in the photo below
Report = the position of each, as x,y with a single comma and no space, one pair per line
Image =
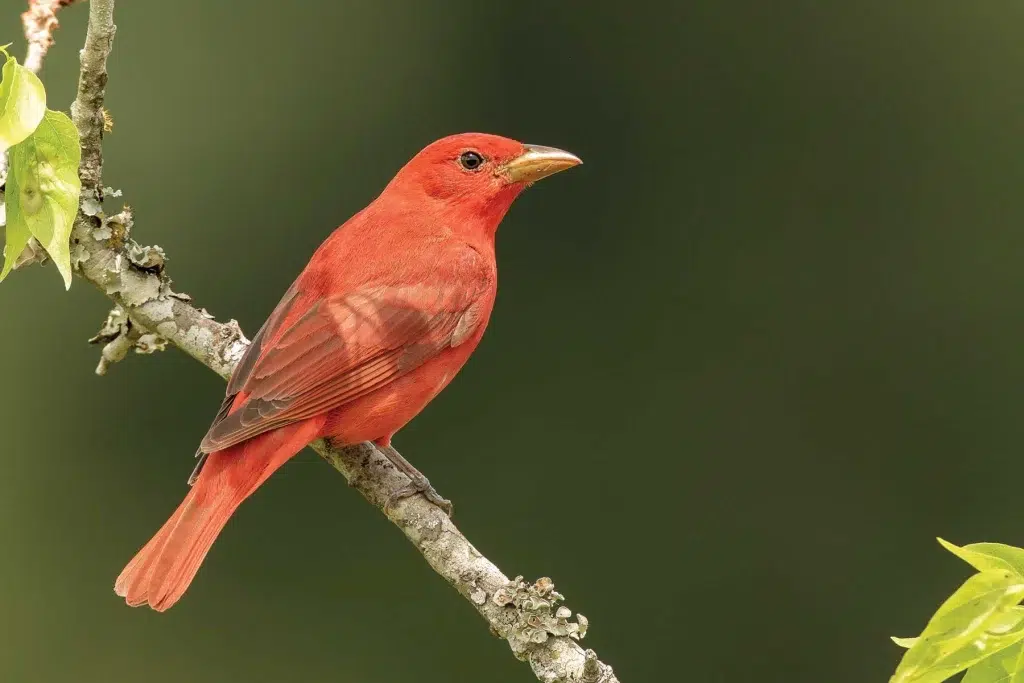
161,572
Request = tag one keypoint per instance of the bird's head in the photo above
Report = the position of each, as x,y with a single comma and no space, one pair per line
480,172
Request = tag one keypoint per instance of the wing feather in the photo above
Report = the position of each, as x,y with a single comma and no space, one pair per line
342,348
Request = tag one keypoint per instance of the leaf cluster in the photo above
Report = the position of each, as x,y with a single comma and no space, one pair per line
980,628
43,156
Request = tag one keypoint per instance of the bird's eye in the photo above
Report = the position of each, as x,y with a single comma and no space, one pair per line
471,161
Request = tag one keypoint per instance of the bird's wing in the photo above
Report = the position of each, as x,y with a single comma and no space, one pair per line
346,346
248,360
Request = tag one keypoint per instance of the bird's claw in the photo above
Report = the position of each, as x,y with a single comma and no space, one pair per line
420,485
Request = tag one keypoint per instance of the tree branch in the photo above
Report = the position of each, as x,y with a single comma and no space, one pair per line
528,616
87,109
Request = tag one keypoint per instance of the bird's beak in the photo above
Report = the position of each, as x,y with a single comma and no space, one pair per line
537,162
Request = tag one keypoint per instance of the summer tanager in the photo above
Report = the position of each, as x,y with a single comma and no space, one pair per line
385,314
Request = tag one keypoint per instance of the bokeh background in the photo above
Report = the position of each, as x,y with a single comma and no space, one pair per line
746,363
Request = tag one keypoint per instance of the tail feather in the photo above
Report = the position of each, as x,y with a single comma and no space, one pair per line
162,570
132,582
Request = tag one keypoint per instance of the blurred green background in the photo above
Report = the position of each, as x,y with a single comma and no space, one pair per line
746,363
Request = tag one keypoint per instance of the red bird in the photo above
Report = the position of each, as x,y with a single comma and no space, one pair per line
385,314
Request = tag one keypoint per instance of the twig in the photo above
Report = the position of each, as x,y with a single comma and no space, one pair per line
40,21
527,616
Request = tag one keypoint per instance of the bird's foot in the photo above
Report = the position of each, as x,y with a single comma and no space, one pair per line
422,485
417,482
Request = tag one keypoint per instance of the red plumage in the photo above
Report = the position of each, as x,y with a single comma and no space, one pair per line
385,314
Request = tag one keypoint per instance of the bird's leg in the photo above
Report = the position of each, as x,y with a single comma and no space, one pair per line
418,484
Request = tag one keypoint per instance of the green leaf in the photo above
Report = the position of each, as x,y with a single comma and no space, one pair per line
978,620
905,643
43,189
1005,666
15,243
984,556
22,103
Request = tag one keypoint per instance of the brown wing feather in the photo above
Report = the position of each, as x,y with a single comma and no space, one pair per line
343,348
246,363
252,354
